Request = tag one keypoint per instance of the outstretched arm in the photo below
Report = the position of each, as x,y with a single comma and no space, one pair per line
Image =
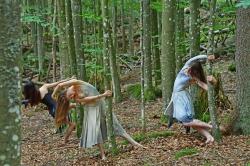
198,58
203,85
90,99
65,84
52,85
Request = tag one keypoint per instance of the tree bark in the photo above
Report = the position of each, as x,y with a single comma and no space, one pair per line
242,59
70,38
113,61
147,49
107,73
64,58
77,24
211,92
10,88
155,47
168,50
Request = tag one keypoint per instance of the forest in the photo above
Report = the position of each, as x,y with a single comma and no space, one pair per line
124,82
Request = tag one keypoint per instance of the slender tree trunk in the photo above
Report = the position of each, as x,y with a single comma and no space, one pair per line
131,33
180,36
54,42
64,60
155,45
10,88
147,49
107,73
33,25
123,26
142,71
168,50
195,46
194,27
77,24
40,42
242,59
70,38
211,92
113,65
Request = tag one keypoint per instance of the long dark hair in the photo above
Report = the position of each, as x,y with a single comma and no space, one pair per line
62,109
31,93
197,71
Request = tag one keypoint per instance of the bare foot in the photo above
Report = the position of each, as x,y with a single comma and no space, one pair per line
209,140
104,158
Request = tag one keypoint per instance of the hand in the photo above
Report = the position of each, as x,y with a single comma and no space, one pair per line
211,79
107,93
211,57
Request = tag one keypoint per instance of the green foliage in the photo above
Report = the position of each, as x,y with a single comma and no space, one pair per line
156,5
164,119
232,67
244,4
139,137
134,91
185,152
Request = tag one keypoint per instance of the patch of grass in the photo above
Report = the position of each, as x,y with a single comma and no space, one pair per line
248,143
185,152
248,164
134,91
148,136
232,67
164,119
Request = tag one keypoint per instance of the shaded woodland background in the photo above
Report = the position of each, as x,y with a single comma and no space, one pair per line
134,48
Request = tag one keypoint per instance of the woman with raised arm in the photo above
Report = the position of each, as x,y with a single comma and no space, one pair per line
34,96
181,105
94,128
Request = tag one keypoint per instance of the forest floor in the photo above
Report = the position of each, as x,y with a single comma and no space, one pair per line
41,146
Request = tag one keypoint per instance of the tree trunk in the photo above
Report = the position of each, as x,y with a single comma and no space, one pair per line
194,27
10,88
142,72
147,50
243,71
64,58
155,45
40,42
54,42
168,50
107,74
180,36
195,46
77,24
113,65
211,92
123,27
131,32
70,37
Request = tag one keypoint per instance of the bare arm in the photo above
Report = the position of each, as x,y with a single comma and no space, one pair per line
51,85
201,84
91,99
65,84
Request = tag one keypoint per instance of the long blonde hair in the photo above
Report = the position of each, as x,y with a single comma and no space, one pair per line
62,109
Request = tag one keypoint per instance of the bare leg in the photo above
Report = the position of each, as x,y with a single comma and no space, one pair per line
198,123
103,157
69,131
204,132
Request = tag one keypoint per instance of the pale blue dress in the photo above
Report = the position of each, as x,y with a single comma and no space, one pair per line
181,105
94,127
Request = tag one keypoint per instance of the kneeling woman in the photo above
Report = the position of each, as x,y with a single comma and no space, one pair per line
94,128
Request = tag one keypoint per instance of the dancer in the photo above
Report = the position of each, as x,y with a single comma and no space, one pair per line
94,128
33,96
181,105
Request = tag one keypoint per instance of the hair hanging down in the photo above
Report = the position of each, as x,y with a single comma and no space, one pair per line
62,109
31,93
198,72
